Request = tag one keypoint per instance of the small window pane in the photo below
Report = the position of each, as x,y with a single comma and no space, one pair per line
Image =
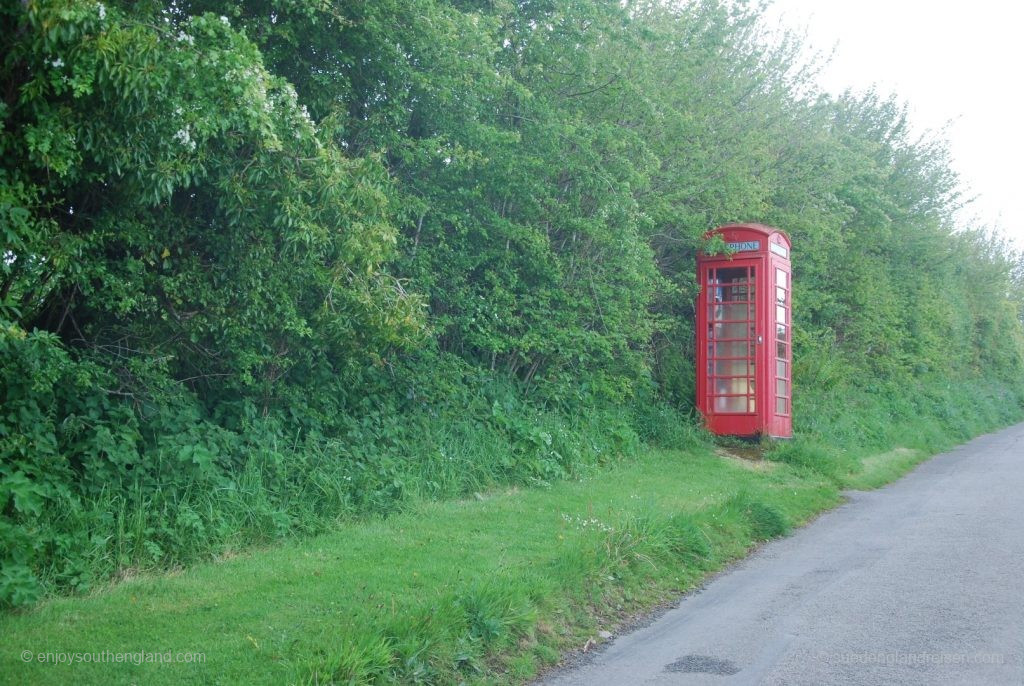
732,293
781,387
780,331
731,275
781,350
780,314
738,386
734,404
735,330
780,406
731,368
751,405
780,296
780,369
731,349
781,278
730,312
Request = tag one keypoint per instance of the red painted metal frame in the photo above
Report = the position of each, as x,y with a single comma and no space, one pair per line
771,414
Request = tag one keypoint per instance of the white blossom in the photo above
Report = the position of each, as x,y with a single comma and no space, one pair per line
584,523
224,20
103,11
184,137
57,63
185,38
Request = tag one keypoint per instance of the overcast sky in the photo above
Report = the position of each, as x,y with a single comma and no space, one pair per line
956,63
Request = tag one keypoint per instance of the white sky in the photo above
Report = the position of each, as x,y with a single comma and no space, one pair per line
954,62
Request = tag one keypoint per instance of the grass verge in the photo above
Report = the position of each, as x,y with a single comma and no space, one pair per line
478,590
487,589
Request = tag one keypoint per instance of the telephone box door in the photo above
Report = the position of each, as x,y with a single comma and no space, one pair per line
734,338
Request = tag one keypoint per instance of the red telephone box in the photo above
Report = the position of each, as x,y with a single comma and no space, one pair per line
744,339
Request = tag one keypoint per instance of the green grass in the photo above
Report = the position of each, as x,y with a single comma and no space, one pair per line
483,589
492,587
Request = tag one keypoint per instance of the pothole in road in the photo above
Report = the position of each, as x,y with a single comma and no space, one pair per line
702,664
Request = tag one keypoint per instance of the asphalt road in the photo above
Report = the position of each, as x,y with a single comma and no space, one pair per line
921,582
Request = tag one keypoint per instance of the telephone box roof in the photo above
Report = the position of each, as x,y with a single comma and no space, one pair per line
745,238
762,229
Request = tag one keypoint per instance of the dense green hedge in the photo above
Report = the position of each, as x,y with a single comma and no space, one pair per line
270,264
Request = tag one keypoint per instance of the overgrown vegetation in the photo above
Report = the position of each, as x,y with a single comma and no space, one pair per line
267,266
487,589
479,590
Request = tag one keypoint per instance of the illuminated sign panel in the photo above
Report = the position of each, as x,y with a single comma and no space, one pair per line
745,246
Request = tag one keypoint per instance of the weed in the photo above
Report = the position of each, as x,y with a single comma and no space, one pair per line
765,521
363,660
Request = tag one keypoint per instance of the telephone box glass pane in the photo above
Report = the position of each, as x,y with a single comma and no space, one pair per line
780,296
780,314
780,350
731,349
732,293
737,312
781,387
731,368
739,386
781,278
780,369
735,330
731,404
780,332
780,406
732,275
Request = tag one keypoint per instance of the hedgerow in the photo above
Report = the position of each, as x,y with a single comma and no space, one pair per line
265,265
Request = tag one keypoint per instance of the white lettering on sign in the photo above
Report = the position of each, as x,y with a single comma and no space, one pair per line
779,249
745,246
